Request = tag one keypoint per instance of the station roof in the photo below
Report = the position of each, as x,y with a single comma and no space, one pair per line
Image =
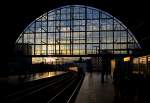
16,15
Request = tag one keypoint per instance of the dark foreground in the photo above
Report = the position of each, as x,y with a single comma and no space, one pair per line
59,89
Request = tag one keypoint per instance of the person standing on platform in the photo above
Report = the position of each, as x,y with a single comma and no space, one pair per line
106,70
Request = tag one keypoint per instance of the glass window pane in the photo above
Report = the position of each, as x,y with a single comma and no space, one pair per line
70,28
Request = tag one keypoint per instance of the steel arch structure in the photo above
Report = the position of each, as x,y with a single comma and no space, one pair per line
76,30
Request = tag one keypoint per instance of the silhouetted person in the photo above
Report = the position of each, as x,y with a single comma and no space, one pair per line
119,80
140,87
102,75
89,65
105,71
80,71
116,81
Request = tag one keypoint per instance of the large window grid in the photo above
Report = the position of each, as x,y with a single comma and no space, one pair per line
77,30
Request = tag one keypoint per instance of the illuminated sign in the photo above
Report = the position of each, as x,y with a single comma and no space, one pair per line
126,59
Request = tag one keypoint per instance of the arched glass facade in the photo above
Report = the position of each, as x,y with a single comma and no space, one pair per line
76,30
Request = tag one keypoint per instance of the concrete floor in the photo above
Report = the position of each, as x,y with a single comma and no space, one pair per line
93,91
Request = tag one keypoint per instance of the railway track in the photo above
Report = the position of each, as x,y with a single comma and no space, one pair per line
60,89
